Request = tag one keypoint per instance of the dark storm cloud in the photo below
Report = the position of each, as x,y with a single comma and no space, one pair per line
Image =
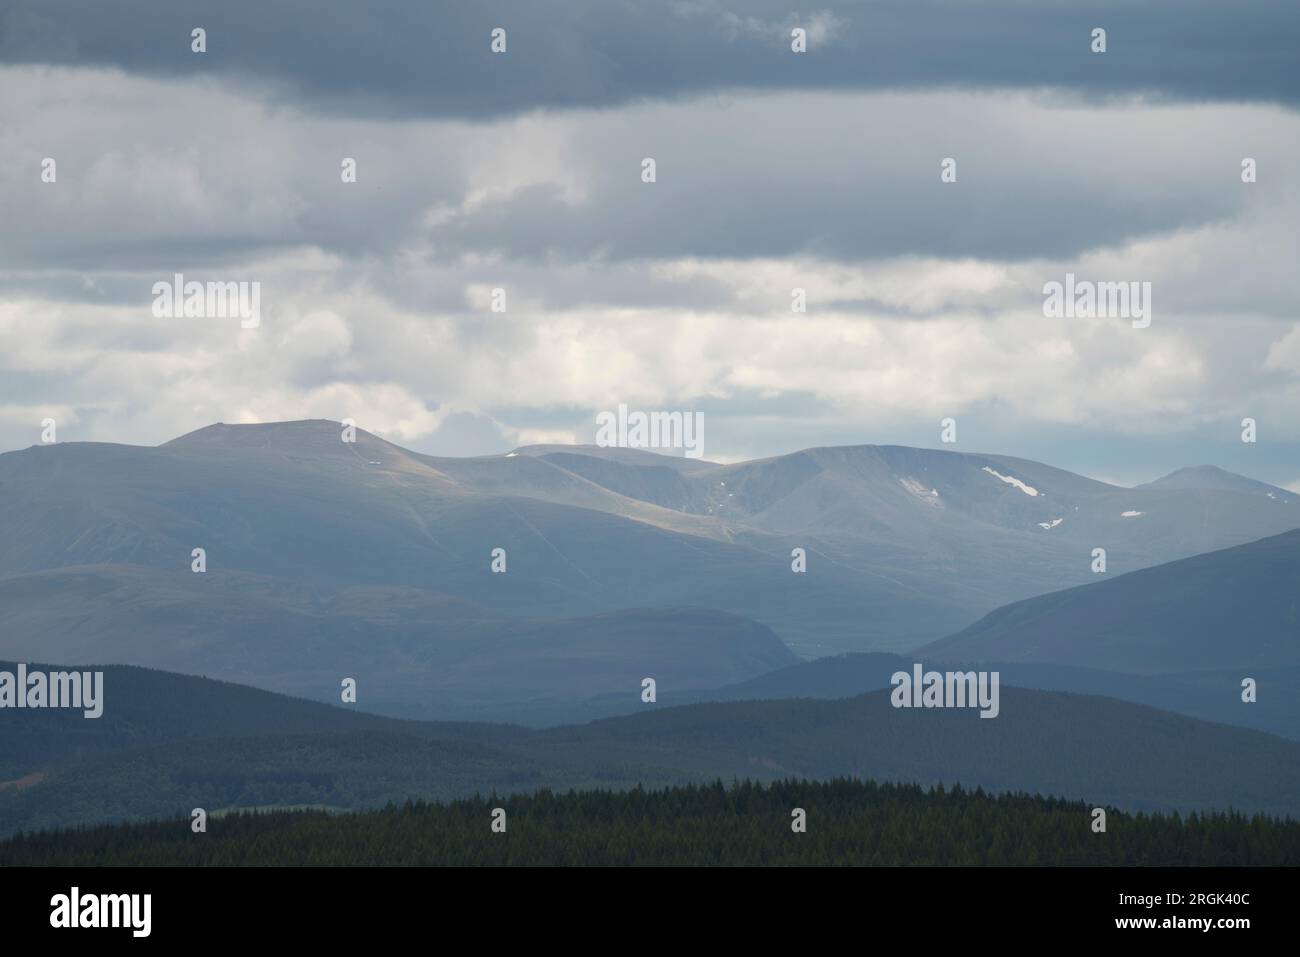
403,57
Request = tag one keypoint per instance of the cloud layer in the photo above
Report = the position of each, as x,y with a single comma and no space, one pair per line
774,171
403,58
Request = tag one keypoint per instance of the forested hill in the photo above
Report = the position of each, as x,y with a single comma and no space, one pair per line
1072,746
848,822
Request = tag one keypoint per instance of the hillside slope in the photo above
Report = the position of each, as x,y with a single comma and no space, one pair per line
1074,746
1237,608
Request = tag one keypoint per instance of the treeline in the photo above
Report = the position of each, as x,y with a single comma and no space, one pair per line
848,822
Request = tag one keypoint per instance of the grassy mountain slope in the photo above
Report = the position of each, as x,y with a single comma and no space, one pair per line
1237,608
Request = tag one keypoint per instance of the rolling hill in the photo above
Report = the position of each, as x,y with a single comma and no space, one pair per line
1236,608
1209,695
238,748
411,653
145,707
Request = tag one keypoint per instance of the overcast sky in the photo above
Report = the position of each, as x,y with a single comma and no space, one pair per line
775,170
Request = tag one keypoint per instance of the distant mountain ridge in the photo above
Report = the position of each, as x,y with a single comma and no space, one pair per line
1213,477
325,556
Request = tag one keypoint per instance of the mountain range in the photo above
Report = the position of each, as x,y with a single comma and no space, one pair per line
328,559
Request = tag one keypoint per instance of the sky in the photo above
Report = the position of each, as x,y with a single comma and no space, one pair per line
774,170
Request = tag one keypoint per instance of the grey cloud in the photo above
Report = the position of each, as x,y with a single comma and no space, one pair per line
844,177
242,173
173,176
405,58
830,176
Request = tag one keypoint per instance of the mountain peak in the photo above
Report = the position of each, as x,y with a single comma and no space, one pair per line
1198,471
256,433
1213,477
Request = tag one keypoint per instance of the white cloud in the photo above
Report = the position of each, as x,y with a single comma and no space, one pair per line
374,294
1284,354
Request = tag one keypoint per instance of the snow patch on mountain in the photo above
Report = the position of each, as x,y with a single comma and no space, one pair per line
1027,489
930,496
